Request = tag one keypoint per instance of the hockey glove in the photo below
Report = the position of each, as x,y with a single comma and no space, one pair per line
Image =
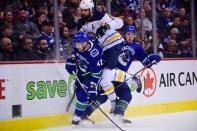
100,32
139,83
151,59
71,65
92,91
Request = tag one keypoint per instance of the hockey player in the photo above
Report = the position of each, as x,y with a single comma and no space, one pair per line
130,51
103,26
134,51
86,64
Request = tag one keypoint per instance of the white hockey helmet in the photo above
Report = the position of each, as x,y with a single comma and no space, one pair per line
86,4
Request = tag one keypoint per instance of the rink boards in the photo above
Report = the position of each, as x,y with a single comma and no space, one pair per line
36,94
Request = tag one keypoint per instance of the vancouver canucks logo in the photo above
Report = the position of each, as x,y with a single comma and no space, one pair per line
124,58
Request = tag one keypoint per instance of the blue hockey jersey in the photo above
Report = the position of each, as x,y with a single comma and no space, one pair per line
129,53
89,63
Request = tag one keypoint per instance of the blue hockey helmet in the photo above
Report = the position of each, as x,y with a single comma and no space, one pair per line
130,28
80,37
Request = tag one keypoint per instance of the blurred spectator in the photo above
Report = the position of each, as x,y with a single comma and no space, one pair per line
65,43
28,6
129,20
6,50
25,27
43,50
127,13
132,5
185,48
68,15
43,8
40,17
26,51
185,4
62,5
77,15
147,28
182,13
171,50
7,31
171,4
41,4
159,6
47,33
100,7
165,20
60,19
7,17
12,5
185,28
176,23
117,7
174,35
173,21
146,23
147,8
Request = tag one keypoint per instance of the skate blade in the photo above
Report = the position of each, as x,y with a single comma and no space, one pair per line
86,123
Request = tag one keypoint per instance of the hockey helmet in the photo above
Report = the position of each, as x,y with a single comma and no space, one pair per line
80,37
86,4
130,28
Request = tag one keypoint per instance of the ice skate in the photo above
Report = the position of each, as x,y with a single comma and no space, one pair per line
86,119
83,121
120,120
75,120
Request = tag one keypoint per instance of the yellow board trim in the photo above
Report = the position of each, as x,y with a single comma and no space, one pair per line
35,123
136,111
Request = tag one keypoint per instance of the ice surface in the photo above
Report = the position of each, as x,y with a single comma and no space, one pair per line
182,121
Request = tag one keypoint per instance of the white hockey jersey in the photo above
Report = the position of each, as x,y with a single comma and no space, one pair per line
111,37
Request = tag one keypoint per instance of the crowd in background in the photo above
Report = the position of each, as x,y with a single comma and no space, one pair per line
27,31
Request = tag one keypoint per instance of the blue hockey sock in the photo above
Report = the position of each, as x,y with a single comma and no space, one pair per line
121,106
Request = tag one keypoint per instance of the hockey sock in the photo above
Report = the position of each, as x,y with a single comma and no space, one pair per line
121,106
80,108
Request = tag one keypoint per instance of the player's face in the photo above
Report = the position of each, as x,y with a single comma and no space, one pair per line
129,36
80,46
85,13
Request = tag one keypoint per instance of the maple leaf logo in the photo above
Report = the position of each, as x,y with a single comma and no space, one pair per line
150,82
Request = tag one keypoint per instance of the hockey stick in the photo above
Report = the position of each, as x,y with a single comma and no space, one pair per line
71,100
99,107
74,93
73,96
133,75
108,116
